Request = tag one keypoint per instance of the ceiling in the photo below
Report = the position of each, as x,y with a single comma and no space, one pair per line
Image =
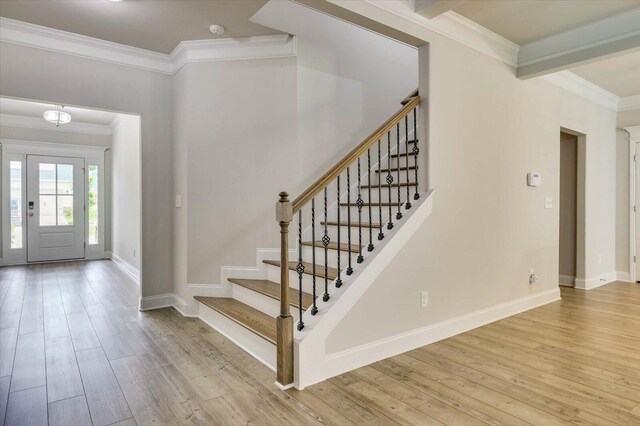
157,25
36,109
525,21
619,75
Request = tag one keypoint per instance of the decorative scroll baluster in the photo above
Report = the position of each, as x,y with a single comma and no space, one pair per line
399,213
406,143
370,247
300,271
349,268
339,280
389,179
380,233
314,309
415,150
325,242
360,204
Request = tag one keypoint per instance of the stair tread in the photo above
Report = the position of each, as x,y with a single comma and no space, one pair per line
333,246
386,204
393,185
402,169
402,154
272,289
332,273
250,318
354,224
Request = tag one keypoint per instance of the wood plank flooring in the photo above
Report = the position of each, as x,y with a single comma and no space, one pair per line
74,350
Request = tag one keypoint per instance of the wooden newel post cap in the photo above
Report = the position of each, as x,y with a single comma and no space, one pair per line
284,209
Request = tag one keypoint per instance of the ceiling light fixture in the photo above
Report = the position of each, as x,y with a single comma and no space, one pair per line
216,29
115,1
57,116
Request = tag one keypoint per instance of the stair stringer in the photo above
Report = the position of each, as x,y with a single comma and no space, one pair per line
312,364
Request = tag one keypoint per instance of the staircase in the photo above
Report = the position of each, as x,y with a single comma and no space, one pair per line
338,223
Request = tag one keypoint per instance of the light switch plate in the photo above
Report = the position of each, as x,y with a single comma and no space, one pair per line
548,203
178,201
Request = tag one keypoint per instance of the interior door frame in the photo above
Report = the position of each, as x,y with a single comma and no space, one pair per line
634,138
17,150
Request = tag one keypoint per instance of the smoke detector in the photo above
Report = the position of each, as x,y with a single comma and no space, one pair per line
216,29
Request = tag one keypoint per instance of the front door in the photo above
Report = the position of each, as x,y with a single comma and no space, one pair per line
55,208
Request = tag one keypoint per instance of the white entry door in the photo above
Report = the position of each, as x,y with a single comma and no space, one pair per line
55,208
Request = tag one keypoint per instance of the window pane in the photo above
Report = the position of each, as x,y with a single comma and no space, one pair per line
15,194
65,210
47,178
93,204
47,210
65,179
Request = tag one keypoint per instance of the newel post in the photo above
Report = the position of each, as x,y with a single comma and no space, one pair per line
284,215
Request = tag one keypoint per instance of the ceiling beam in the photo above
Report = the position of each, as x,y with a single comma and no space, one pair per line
587,43
432,8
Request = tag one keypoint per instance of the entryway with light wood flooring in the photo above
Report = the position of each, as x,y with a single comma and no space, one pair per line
74,350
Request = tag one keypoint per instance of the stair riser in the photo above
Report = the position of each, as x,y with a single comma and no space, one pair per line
273,274
332,256
255,345
259,301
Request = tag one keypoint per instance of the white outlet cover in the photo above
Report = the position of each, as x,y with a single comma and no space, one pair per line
424,299
548,203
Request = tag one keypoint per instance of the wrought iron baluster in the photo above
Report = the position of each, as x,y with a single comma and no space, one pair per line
406,143
389,179
360,204
325,242
370,247
300,270
314,309
399,213
339,280
415,150
349,268
380,233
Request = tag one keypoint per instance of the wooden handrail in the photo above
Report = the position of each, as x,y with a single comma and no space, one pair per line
408,98
352,156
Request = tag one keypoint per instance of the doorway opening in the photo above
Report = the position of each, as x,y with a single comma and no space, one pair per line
70,191
571,212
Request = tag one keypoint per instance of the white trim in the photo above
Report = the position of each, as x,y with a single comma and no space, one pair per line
28,122
340,362
566,280
623,276
595,282
629,103
584,88
453,26
634,138
257,47
126,266
149,303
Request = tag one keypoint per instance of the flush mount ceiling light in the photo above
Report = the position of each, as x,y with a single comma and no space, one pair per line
57,116
216,29
115,1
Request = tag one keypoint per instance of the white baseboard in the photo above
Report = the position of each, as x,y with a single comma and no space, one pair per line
149,303
567,280
595,282
350,359
126,266
623,276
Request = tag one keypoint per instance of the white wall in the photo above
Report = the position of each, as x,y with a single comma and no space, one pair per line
125,194
71,138
39,74
486,130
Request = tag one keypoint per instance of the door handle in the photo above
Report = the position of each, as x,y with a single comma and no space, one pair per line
30,214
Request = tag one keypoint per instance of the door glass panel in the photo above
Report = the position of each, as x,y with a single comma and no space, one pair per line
47,210
93,204
47,182
65,210
15,194
65,179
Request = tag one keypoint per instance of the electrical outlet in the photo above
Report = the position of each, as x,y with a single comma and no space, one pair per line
533,278
424,299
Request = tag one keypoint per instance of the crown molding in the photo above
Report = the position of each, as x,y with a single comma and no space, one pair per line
584,88
259,47
454,26
629,103
39,123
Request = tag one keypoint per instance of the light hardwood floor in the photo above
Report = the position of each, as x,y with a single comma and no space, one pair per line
74,350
